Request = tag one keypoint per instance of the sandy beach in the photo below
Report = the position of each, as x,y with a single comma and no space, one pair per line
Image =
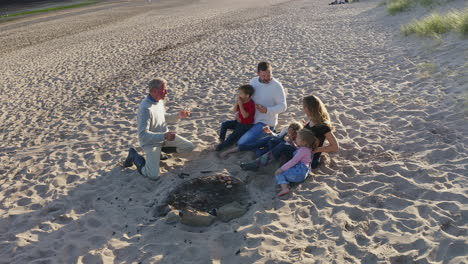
71,82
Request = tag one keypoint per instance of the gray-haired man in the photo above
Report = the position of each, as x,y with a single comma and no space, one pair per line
153,133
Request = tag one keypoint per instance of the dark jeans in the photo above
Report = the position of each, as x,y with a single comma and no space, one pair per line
239,129
315,160
266,144
283,149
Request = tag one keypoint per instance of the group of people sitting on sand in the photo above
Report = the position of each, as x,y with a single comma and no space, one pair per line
257,107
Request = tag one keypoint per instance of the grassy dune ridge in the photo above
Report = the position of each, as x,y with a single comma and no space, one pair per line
397,6
85,3
436,24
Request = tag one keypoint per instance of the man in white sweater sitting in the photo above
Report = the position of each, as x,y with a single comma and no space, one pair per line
153,133
270,100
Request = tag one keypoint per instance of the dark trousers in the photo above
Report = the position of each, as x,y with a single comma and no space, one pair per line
287,151
315,160
239,129
283,149
266,144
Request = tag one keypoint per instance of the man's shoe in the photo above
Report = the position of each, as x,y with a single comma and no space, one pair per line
252,166
163,156
315,163
139,162
130,157
169,149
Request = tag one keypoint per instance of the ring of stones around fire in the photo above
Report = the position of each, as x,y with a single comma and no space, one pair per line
201,201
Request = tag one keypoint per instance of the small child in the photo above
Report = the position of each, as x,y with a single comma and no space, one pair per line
245,113
274,147
287,135
297,169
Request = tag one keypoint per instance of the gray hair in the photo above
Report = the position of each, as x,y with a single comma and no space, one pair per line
156,84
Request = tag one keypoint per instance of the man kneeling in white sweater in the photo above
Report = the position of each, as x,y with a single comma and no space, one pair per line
153,133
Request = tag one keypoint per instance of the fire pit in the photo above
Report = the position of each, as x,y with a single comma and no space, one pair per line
202,200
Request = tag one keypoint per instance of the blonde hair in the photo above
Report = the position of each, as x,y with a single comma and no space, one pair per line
296,126
308,137
317,111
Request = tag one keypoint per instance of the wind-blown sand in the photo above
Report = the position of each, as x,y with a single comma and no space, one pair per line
71,82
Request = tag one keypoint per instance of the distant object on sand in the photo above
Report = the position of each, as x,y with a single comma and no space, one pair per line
337,2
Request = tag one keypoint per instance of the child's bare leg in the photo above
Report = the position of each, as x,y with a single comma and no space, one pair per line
284,190
228,151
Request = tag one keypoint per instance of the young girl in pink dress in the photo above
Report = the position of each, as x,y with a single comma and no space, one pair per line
297,169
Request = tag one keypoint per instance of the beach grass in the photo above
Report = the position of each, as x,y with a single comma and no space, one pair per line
435,24
397,6
426,69
427,3
463,23
88,2
427,66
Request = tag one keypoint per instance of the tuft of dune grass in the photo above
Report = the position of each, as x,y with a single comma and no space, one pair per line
426,3
435,24
397,6
463,23
426,69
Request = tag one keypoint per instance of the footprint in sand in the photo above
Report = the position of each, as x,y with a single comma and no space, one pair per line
24,201
316,251
362,240
45,227
303,212
92,259
40,189
93,222
254,242
62,219
105,157
308,232
35,206
72,178
71,253
97,240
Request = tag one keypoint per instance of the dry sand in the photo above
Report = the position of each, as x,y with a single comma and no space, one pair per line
71,82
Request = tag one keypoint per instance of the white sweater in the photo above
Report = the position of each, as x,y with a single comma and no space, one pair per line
272,96
151,121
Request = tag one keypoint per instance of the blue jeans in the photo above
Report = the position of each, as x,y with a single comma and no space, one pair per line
266,144
283,149
250,139
239,129
297,173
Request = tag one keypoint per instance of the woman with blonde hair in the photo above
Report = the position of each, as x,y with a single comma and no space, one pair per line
319,123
